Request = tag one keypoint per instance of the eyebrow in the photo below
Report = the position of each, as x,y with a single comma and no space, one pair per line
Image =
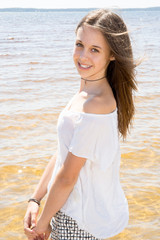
95,46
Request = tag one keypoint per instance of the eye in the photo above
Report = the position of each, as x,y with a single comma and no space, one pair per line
94,50
79,44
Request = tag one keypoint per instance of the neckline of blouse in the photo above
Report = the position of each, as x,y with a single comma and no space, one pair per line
88,114
91,114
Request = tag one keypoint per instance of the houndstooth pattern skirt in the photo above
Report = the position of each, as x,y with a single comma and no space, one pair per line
65,228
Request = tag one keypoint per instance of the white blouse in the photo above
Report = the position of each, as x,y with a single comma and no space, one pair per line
97,201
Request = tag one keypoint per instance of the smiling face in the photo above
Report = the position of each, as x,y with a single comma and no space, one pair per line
91,53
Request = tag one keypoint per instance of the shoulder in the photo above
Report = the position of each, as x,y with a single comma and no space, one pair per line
100,104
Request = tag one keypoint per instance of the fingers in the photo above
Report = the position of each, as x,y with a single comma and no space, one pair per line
26,221
27,230
32,238
41,237
47,234
33,220
30,233
29,224
29,221
33,235
37,238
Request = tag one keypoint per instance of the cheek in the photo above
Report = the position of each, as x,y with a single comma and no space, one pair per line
105,61
101,63
75,55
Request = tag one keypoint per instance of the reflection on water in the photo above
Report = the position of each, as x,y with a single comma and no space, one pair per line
38,80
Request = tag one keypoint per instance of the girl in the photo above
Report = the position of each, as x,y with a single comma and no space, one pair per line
85,199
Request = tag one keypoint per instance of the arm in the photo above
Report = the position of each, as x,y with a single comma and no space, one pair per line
41,189
60,190
33,209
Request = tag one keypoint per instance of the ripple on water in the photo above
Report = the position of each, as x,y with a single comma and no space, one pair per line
38,80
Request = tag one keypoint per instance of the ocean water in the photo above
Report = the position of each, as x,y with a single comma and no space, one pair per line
37,79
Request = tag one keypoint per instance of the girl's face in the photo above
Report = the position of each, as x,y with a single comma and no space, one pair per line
91,53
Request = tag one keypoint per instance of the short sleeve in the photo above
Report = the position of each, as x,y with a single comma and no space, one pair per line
96,139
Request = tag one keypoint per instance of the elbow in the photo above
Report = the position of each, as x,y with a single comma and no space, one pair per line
67,181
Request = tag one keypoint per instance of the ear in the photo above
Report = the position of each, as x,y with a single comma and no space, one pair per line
112,58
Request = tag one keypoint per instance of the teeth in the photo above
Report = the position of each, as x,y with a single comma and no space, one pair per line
84,66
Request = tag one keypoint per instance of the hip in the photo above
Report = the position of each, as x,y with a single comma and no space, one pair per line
64,227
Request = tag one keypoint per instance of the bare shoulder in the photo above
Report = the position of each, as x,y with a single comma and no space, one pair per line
100,104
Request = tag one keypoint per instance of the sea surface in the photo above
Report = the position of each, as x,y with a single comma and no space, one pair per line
37,79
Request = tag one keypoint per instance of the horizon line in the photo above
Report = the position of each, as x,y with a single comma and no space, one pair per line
83,8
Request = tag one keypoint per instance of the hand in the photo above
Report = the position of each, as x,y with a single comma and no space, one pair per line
43,231
30,220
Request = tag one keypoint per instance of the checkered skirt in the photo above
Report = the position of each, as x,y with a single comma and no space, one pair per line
65,228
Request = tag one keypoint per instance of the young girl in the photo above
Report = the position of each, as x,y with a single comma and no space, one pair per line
85,198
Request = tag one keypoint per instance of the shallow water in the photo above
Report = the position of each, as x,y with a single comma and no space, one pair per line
37,79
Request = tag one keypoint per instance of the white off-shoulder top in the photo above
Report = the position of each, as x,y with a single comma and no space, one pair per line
97,201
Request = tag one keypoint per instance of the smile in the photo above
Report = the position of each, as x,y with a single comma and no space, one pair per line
84,66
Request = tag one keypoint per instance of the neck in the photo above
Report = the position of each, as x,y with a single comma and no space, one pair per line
93,79
94,86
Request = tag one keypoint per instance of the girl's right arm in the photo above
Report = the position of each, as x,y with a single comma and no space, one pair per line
40,191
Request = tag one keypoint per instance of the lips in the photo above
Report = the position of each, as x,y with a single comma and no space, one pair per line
84,66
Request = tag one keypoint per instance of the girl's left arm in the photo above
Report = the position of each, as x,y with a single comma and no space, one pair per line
60,190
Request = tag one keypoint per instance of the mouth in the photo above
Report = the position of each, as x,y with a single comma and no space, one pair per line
84,66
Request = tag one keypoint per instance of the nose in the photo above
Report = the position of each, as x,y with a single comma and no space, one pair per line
83,55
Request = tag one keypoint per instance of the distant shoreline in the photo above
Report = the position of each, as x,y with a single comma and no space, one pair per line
72,9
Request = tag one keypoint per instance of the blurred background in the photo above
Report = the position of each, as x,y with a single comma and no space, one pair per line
38,78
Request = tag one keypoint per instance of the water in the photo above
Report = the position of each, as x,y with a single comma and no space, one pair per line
37,79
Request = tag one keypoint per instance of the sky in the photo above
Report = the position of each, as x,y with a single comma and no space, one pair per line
79,3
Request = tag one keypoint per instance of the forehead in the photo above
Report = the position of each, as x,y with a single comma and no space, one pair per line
90,35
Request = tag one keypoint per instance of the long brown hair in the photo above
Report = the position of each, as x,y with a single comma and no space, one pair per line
120,73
